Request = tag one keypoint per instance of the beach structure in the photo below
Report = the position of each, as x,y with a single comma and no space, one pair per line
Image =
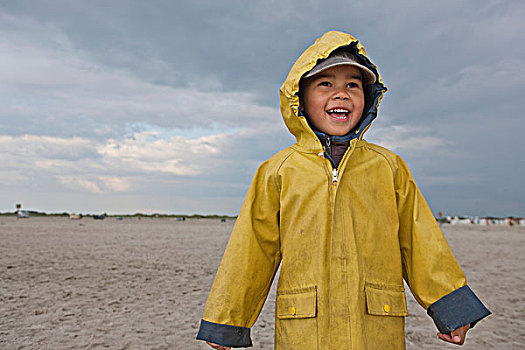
99,217
455,220
75,216
485,221
22,214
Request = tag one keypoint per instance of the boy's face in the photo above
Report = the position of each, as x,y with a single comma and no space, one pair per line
333,100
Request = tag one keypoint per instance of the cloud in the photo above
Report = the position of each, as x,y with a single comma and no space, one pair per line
450,180
125,164
176,155
461,91
409,140
58,88
115,184
143,152
27,146
102,184
75,183
148,106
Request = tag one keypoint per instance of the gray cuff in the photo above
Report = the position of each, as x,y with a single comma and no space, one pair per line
457,309
225,335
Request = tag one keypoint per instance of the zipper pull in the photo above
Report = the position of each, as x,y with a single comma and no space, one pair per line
328,142
334,176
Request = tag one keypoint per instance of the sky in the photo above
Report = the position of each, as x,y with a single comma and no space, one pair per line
156,106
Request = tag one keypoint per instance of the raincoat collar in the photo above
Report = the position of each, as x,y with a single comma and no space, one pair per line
335,138
307,140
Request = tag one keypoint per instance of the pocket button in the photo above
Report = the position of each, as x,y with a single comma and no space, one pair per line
292,310
386,307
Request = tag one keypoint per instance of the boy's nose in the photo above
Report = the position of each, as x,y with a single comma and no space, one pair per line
341,95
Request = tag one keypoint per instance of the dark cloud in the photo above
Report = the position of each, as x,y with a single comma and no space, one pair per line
103,71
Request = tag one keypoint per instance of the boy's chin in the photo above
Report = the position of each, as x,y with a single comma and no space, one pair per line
336,131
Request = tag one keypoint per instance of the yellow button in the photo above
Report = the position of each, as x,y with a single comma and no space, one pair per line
292,310
386,308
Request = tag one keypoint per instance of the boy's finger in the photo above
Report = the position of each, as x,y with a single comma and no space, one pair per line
450,339
459,335
444,337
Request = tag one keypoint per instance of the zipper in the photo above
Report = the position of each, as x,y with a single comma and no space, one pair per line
335,171
334,168
332,189
334,176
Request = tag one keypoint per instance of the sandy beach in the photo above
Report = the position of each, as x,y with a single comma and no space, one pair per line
142,284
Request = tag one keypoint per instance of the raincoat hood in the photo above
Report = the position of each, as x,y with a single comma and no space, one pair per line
320,50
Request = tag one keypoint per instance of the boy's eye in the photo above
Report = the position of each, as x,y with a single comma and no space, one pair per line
324,83
353,85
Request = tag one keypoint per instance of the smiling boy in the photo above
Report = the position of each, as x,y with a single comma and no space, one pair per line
345,221
334,99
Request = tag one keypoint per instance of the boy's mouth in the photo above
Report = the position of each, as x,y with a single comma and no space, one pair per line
338,113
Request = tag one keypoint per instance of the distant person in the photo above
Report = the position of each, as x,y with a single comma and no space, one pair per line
344,219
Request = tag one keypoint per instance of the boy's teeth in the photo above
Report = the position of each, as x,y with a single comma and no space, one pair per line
339,113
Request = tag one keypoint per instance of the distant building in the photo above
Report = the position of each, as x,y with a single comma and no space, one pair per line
22,214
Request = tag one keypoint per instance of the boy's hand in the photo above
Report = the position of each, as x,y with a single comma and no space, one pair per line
457,336
218,347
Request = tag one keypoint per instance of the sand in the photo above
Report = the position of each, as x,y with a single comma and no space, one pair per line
142,284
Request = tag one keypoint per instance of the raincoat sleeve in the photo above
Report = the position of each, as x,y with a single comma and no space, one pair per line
248,266
429,266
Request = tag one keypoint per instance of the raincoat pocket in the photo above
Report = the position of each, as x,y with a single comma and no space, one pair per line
385,300
296,312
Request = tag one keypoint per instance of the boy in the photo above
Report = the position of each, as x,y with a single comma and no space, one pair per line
345,220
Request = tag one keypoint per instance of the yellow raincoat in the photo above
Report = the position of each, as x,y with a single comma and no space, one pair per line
345,239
